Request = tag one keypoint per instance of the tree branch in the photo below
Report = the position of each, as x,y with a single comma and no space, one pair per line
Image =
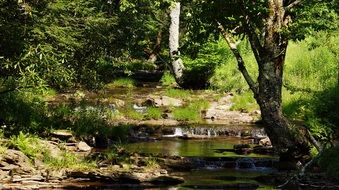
293,4
250,30
241,66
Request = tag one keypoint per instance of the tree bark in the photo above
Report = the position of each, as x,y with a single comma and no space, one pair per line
177,64
284,136
152,57
270,55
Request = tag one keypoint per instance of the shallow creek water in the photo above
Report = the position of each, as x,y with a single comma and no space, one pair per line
208,154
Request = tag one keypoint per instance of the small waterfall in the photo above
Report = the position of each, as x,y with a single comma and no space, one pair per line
213,132
178,132
245,163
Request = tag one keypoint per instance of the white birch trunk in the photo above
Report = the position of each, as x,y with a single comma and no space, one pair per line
177,64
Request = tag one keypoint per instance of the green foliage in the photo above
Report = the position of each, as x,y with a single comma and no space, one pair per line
244,102
186,114
311,92
28,144
199,104
131,113
167,79
192,112
178,93
311,65
67,160
151,163
153,113
122,82
328,161
227,77
24,112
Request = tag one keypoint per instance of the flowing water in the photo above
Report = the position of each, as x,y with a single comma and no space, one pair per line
207,149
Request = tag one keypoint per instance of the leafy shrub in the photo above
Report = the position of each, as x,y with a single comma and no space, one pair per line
28,144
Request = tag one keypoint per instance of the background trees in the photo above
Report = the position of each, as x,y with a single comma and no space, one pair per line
66,43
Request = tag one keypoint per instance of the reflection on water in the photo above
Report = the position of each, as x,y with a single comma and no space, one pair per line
222,179
190,148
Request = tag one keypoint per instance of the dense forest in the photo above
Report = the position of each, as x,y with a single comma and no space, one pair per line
277,58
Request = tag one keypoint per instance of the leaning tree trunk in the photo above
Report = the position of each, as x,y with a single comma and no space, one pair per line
269,50
271,61
177,65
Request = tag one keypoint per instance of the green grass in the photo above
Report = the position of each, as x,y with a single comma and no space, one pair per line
186,114
153,113
122,82
132,114
244,101
178,93
68,161
192,112
167,79
28,144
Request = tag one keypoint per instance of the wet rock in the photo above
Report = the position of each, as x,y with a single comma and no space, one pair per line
93,176
128,178
242,148
167,180
263,149
83,147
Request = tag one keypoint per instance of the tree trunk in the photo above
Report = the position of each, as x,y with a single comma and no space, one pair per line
152,57
289,140
270,54
177,64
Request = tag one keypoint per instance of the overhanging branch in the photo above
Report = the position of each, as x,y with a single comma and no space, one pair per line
293,4
241,65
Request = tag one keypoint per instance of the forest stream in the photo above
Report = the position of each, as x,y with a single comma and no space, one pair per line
223,149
